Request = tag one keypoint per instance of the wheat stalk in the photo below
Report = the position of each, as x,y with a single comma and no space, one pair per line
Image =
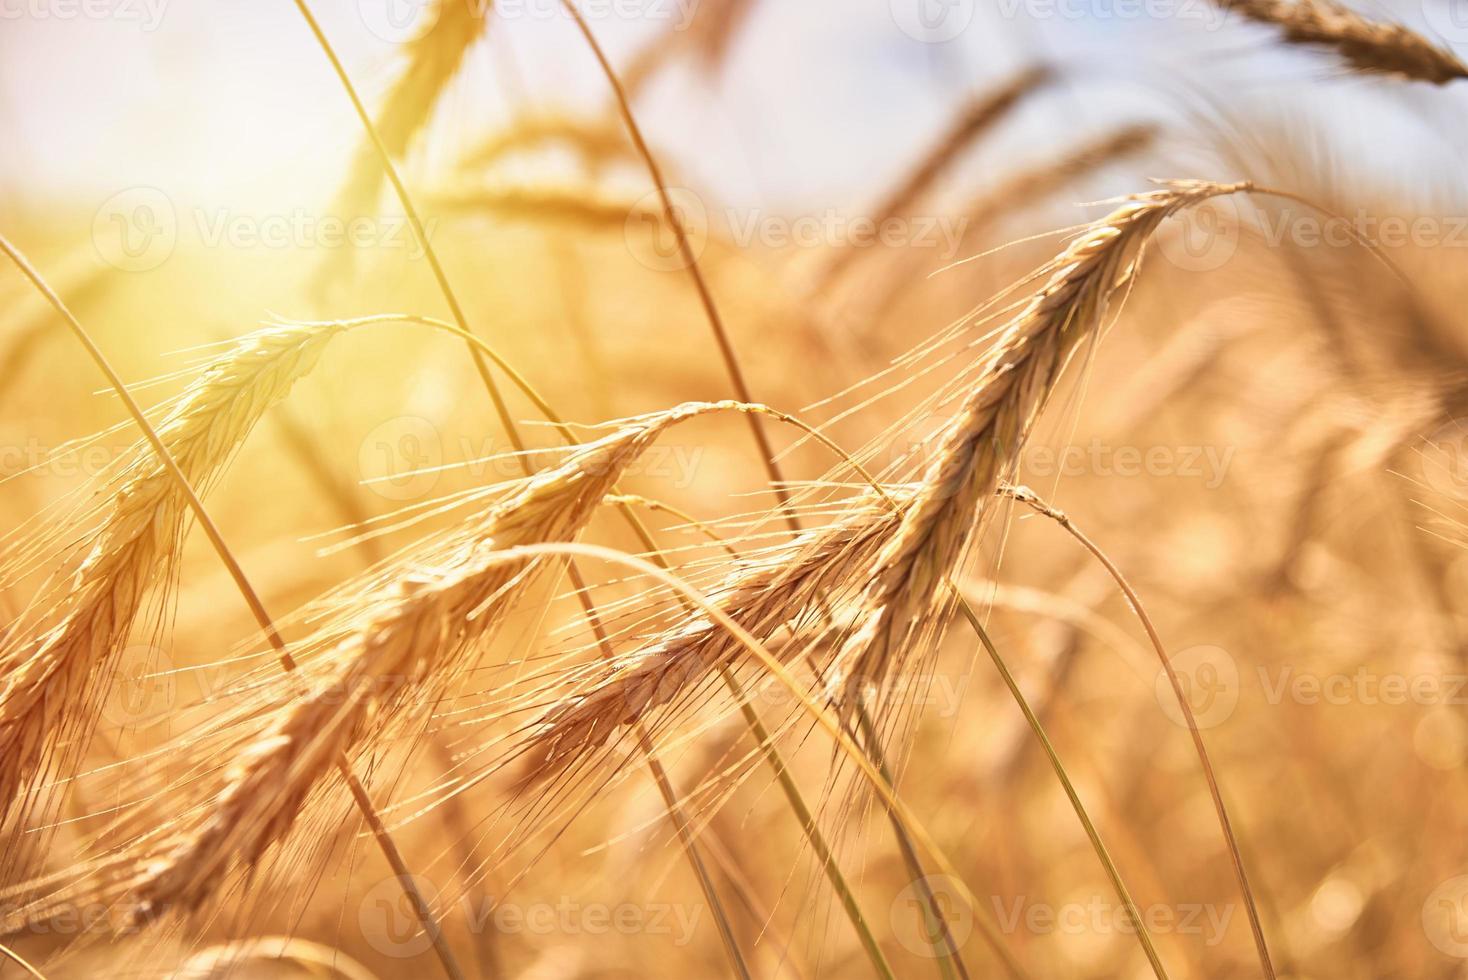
54,682
1368,46
766,593
982,441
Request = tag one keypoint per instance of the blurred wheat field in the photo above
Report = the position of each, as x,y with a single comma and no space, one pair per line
723,488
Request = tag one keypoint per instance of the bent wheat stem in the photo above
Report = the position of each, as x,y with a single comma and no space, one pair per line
690,262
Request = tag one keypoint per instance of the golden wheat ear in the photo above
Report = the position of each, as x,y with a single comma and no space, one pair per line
768,591
981,443
1367,46
56,677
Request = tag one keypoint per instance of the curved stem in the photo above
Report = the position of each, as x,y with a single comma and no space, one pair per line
1031,499
20,961
690,261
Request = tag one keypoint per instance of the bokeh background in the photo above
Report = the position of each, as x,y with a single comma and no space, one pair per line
1268,441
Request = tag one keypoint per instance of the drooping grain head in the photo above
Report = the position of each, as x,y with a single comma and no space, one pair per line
405,648
776,589
54,679
982,441
1367,46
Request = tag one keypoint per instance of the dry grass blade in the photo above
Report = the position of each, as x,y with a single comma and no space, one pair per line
595,144
1368,46
539,206
976,119
1039,182
433,60
688,258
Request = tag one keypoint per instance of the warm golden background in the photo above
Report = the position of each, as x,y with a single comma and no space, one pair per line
1268,442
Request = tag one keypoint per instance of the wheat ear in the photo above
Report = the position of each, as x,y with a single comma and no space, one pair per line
413,639
982,441
768,592
247,592
1367,46
54,682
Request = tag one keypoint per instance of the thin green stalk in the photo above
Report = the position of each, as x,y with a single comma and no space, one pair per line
507,422
1030,498
1143,935
690,262
252,599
